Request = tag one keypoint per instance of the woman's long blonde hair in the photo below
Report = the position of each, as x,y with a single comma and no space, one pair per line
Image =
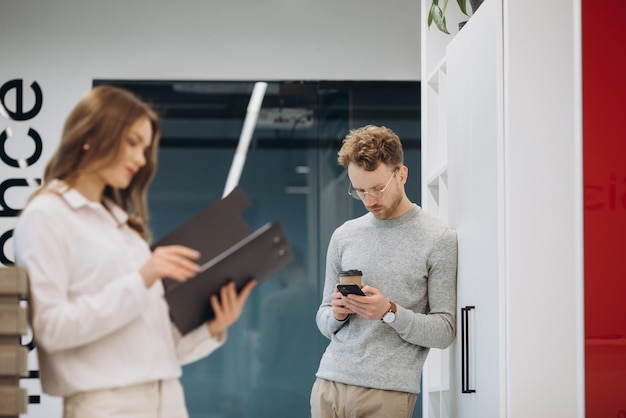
92,139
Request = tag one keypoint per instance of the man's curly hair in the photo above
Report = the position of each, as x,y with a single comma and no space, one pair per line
369,146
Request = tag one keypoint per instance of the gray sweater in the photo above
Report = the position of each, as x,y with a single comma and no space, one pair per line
412,260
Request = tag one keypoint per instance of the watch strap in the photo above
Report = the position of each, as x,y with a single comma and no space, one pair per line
392,308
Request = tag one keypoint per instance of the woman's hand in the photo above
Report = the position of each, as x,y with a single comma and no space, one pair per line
228,307
172,261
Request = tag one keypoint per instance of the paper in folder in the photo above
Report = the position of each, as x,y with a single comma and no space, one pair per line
229,252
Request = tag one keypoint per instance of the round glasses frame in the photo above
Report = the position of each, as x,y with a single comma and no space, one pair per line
373,192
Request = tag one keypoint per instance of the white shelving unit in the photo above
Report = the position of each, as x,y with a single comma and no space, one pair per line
490,133
441,378
436,382
436,373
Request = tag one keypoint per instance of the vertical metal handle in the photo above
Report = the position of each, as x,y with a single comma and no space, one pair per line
465,356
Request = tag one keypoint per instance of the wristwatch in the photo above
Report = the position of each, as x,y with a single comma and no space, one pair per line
390,316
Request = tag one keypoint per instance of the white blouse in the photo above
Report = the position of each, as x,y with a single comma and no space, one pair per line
95,324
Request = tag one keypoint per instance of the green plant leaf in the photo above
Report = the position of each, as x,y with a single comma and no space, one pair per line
431,13
435,14
463,6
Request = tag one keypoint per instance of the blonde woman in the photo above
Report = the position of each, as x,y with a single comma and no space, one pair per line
104,339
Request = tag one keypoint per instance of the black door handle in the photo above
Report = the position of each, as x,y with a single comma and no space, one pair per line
465,350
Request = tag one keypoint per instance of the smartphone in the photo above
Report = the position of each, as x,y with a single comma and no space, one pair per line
347,289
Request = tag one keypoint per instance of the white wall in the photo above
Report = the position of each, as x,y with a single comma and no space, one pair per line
236,39
64,44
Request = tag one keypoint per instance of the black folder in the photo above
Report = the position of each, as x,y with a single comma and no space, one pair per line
229,252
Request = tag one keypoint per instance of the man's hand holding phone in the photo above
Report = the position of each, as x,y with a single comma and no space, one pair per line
367,302
340,309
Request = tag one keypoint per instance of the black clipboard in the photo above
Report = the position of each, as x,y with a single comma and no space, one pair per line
213,230
258,256
229,252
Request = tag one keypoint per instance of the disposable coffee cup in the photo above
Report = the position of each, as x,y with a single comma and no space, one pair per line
351,277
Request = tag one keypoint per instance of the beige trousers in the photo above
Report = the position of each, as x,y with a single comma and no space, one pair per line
158,399
336,400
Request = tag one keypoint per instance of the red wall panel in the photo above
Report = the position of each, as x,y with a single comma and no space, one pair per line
604,170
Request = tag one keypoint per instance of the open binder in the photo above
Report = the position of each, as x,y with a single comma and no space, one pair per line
230,251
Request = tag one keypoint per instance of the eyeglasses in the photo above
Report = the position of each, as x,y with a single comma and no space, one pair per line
375,193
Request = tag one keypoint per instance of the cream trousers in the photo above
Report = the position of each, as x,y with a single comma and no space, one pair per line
336,400
158,399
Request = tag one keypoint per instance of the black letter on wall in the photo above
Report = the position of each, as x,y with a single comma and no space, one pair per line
31,160
18,113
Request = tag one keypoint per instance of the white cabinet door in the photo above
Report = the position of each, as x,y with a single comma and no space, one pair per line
475,208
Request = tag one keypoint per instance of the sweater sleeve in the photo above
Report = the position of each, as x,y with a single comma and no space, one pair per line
325,318
437,327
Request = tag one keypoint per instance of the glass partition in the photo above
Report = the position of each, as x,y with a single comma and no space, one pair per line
291,175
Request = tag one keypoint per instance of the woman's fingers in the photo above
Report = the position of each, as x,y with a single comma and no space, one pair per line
228,307
172,261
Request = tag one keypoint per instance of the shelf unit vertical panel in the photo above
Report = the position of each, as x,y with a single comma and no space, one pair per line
436,381
432,125
442,156
436,395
